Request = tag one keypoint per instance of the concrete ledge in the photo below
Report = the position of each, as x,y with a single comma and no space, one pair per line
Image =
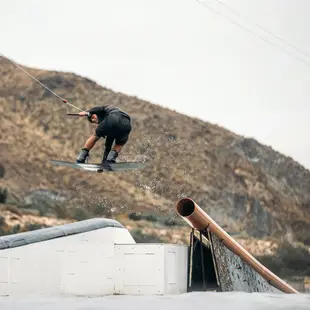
44,234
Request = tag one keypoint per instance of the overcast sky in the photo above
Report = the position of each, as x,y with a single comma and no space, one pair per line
180,54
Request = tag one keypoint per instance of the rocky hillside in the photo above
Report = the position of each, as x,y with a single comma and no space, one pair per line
248,188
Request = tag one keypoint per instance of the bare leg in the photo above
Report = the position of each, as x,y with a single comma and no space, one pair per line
119,143
117,147
91,141
89,144
114,153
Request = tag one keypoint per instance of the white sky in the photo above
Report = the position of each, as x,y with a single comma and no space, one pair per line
179,54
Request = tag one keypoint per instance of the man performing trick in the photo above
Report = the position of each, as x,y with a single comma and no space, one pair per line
114,125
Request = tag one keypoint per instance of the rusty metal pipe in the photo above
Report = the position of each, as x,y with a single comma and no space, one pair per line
198,219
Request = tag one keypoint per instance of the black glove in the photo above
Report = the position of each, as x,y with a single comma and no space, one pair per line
82,156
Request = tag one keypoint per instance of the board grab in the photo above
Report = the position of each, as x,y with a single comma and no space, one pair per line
120,166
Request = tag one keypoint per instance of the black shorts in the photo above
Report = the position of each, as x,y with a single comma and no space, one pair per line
116,126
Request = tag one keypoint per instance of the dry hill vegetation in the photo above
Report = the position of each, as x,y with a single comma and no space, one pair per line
252,191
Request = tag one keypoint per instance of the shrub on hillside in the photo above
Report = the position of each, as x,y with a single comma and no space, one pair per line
166,220
3,195
139,237
1,171
135,216
288,261
80,214
61,211
35,226
41,207
101,210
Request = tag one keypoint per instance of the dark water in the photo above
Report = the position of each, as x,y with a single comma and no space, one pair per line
190,301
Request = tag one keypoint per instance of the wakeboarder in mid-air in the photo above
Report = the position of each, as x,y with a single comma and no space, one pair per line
113,124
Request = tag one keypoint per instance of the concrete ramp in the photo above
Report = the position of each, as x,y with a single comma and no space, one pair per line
75,258
223,264
89,258
45,234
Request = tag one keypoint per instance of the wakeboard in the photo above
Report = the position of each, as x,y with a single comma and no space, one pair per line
120,166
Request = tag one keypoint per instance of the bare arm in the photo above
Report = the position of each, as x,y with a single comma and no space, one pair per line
83,113
91,141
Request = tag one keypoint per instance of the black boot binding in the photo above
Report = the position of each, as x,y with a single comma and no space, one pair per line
110,158
104,158
83,156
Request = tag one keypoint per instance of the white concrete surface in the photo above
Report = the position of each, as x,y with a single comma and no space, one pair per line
77,264
151,269
189,301
100,262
